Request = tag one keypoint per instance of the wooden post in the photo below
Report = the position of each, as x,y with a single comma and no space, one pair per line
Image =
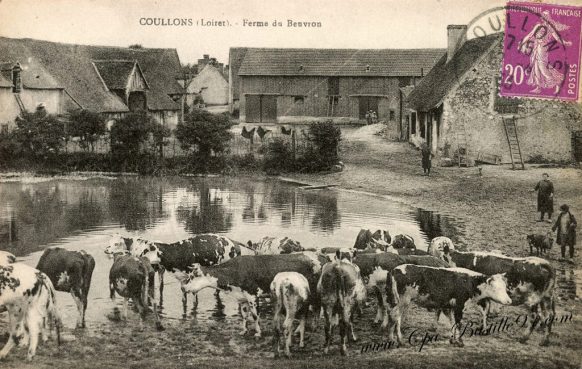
293,145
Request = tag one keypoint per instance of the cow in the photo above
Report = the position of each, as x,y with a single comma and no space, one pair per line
540,242
530,282
438,245
446,289
205,249
275,245
29,297
341,291
290,294
403,241
253,275
69,271
133,277
7,258
374,268
380,239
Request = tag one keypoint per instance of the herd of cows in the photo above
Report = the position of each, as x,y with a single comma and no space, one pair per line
333,282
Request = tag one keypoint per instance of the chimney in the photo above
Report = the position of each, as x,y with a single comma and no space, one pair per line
16,78
456,37
206,56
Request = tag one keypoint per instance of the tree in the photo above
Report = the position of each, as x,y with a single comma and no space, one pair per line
88,126
40,134
129,135
203,133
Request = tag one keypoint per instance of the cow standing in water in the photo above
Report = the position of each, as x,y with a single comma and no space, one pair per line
446,289
275,245
380,240
69,271
290,294
29,297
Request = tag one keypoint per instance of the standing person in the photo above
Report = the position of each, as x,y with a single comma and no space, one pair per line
566,227
426,158
545,189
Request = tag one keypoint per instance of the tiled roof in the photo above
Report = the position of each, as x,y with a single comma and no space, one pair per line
71,66
339,62
434,87
33,74
115,73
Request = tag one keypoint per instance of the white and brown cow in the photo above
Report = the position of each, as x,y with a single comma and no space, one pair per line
275,245
134,278
29,297
403,241
380,239
446,289
438,245
7,258
530,282
253,275
341,291
69,271
290,295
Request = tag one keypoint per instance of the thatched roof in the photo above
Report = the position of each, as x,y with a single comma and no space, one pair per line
433,88
339,62
71,66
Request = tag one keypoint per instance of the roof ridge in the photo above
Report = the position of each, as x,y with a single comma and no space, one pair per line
89,45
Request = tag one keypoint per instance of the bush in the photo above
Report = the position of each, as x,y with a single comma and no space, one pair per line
322,152
278,157
38,135
86,125
203,134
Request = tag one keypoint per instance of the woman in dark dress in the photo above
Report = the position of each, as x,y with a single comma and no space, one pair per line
426,158
545,189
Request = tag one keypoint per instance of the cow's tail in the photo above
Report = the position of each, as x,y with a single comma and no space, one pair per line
392,297
50,301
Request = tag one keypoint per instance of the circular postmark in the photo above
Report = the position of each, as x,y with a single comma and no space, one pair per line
535,62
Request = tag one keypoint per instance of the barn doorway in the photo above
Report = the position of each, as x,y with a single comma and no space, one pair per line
366,104
261,108
577,145
136,101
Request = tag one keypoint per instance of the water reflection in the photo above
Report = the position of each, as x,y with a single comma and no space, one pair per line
209,215
434,225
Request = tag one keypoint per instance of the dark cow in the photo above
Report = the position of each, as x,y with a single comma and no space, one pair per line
341,291
374,268
403,241
542,243
204,249
380,239
530,281
29,297
69,271
251,276
134,278
275,245
444,289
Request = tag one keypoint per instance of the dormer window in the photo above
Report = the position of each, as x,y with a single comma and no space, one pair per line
16,78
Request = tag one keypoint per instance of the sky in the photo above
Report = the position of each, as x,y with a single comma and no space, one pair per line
344,23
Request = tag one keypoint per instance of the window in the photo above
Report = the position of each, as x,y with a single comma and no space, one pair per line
392,114
413,123
299,99
333,87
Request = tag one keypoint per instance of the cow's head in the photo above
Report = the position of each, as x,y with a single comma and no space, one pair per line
147,249
495,288
247,305
382,238
118,244
345,254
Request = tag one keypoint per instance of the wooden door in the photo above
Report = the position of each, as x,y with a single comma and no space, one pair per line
268,109
253,108
367,103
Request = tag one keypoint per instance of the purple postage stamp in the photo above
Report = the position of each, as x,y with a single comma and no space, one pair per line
541,56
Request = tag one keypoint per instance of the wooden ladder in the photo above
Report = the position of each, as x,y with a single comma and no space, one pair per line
20,103
331,102
462,148
513,142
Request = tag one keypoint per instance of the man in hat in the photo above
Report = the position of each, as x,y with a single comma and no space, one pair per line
566,227
545,189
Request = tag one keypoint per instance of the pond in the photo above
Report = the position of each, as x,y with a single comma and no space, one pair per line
81,213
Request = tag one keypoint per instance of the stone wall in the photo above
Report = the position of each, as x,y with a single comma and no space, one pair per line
544,126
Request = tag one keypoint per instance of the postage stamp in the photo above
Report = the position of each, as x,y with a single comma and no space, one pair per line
541,51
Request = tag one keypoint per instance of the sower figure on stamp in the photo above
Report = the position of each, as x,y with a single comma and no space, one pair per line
566,227
545,189
426,158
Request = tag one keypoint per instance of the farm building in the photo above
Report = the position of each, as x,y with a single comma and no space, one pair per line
27,86
298,85
211,85
108,80
457,107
